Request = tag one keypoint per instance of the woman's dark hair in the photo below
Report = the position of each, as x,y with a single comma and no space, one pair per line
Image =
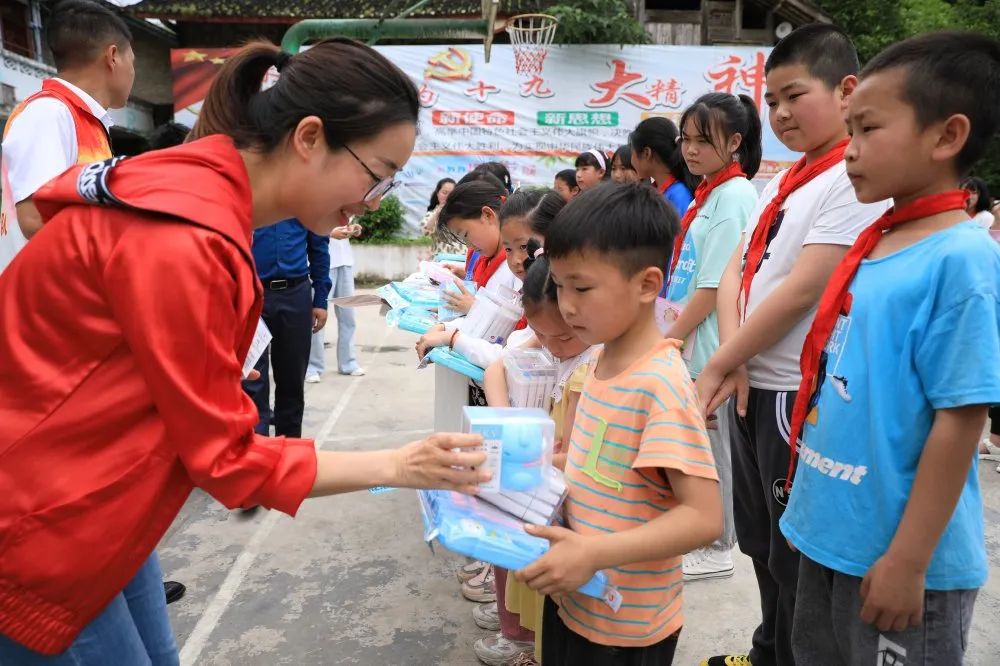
499,171
521,204
721,115
623,155
660,135
353,88
537,289
590,159
469,198
978,185
437,189
568,176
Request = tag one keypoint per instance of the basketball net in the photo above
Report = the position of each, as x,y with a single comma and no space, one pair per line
530,38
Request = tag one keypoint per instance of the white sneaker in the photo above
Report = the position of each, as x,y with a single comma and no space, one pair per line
357,372
313,378
706,563
498,651
486,616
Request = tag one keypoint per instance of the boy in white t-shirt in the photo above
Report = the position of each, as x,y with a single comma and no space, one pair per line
806,219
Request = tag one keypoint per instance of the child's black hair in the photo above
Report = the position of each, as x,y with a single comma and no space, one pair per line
499,171
660,136
948,73
978,185
719,113
590,159
545,212
437,188
470,196
825,50
521,203
623,155
631,224
536,288
168,135
568,176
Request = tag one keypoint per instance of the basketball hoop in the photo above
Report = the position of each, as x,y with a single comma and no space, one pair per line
530,38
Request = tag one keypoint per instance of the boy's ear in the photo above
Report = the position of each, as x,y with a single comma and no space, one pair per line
650,284
847,85
953,134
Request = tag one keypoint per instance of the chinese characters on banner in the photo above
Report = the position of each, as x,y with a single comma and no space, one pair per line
537,123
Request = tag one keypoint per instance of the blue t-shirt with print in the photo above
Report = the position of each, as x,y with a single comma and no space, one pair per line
710,242
680,196
922,334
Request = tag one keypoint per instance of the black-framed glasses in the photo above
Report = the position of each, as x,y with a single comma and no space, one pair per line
382,186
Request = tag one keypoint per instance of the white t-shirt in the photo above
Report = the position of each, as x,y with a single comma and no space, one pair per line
983,218
340,253
40,145
824,211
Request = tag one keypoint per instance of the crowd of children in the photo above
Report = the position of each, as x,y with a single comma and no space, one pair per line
695,326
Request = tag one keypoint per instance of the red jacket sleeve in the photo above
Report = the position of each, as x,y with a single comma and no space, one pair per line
179,294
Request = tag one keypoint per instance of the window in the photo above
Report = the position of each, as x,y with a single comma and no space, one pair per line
15,24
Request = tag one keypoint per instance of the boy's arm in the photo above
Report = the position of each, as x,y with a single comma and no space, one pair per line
573,558
893,589
495,385
772,320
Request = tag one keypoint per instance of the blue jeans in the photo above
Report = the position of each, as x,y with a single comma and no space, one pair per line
133,630
347,361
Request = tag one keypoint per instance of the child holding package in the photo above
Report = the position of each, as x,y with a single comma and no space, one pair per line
904,358
642,482
804,222
519,608
721,144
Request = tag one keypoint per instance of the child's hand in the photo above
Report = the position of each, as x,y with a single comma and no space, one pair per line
462,301
563,569
457,269
341,233
714,388
431,339
892,594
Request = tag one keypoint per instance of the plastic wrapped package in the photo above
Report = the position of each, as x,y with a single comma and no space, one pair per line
451,258
494,315
531,375
419,293
468,526
412,319
452,360
445,313
436,272
518,443
539,507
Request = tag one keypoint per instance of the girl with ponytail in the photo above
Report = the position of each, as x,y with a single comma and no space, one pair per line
119,420
656,156
721,144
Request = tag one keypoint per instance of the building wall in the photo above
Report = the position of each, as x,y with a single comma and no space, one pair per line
152,64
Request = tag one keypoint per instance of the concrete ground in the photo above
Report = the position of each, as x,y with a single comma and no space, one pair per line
350,581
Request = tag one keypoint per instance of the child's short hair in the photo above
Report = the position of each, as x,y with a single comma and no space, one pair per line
79,29
499,171
567,176
823,49
631,223
948,73
168,135
594,158
470,196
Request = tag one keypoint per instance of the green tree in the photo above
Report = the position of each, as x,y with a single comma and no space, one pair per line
597,22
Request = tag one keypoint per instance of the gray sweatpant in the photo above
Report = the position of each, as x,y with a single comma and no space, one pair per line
719,439
827,629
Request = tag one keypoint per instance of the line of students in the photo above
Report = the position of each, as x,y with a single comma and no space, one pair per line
818,281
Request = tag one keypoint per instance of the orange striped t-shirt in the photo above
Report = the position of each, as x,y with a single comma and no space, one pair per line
642,421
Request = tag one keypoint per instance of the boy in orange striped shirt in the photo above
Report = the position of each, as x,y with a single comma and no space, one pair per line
642,483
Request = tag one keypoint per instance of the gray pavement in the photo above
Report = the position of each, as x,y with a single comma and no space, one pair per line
349,580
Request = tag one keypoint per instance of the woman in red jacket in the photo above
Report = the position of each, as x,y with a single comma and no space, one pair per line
126,321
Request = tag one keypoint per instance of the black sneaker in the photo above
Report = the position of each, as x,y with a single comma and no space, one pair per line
173,590
728,660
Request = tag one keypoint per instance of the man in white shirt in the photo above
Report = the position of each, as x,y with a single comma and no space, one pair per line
67,122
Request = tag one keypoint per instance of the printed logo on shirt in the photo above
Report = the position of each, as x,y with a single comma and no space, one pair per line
834,469
780,494
889,653
829,364
92,183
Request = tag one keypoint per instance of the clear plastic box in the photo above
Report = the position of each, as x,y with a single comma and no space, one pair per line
493,317
518,444
540,507
532,375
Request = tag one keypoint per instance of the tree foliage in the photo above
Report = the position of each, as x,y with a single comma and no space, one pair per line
875,24
597,22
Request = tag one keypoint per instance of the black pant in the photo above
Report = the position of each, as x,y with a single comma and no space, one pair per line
562,647
995,420
760,466
288,315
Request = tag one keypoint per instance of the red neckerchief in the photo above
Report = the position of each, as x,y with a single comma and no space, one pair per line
836,299
800,174
665,185
704,189
486,266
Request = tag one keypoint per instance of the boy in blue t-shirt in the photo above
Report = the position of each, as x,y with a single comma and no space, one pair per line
886,509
